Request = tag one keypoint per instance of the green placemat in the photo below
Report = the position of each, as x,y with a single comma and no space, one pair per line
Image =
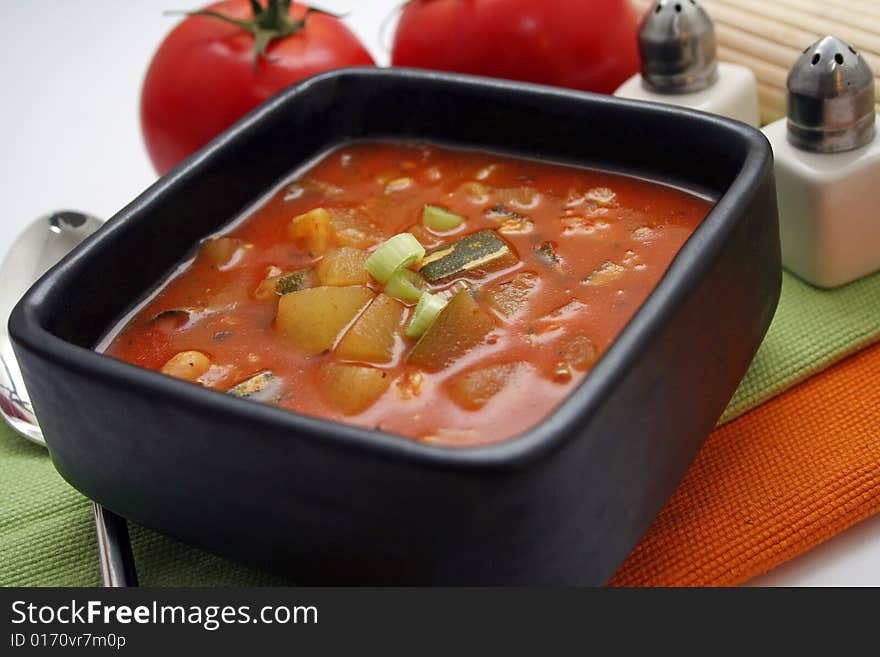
812,329
46,531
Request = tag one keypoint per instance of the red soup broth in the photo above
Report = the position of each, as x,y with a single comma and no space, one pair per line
589,247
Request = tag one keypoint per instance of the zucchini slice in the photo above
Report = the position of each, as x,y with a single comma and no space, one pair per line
264,386
478,253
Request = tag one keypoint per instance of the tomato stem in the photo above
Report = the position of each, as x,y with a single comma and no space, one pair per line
269,22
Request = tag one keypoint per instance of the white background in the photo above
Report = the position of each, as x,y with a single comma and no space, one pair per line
71,76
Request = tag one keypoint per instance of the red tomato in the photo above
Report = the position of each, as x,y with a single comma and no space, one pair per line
581,44
204,77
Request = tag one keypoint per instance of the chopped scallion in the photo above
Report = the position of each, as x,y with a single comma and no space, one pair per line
400,251
427,309
405,285
439,219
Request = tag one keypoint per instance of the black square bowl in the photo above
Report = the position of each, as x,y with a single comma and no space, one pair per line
563,503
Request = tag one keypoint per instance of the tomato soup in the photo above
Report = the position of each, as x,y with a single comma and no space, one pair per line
451,296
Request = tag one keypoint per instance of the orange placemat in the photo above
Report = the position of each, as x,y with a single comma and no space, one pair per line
771,484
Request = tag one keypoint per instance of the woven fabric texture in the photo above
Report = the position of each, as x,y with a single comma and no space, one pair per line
811,330
771,484
47,534
47,537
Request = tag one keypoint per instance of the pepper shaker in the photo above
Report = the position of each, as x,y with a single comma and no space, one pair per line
827,164
679,65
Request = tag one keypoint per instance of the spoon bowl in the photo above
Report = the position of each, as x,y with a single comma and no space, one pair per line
40,246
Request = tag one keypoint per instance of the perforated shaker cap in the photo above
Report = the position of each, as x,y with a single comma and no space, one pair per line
677,47
830,98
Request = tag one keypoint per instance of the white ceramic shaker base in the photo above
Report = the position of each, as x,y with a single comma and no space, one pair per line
734,94
829,209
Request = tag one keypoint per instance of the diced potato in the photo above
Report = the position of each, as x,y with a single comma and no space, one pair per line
475,192
510,298
644,233
343,266
566,312
314,187
474,389
607,273
603,196
425,237
312,319
459,327
398,185
187,365
221,251
312,230
579,352
632,260
432,174
374,335
524,197
475,254
350,388
515,226
353,227
575,225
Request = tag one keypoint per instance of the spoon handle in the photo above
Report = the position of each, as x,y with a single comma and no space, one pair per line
114,549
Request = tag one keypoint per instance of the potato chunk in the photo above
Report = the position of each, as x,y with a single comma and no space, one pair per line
353,227
312,319
221,252
373,336
510,298
579,352
459,327
312,230
474,389
607,273
343,266
187,365
350,388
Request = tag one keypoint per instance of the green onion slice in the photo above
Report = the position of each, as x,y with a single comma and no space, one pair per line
439,219
400,251
427,309
406,285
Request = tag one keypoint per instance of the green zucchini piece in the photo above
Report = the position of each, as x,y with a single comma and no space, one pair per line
264,386
293,282
546,253
459,327
478,253
440,219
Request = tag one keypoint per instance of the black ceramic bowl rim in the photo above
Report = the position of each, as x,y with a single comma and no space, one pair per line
688,267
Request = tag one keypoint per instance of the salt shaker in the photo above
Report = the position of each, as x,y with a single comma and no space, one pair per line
827,160
679,66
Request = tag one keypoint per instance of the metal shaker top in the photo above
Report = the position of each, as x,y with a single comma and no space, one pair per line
830,98
677,47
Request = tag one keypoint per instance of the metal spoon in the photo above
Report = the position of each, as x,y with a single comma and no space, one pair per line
41,245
